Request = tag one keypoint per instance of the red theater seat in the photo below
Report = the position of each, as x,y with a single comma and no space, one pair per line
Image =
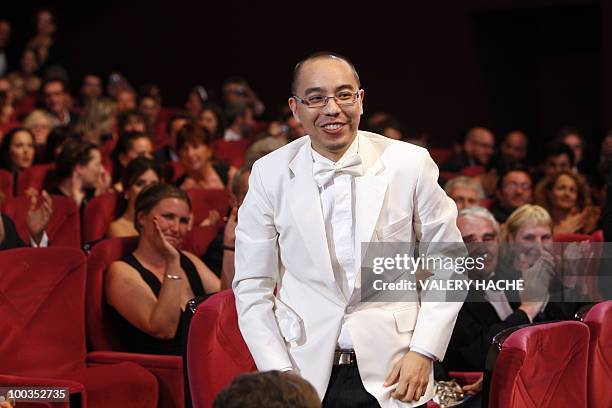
599,320
204,200
440,155
542,365
231,152
98,215
6,183
571,237
64,227
38,177
173,170
101,335
597,236
216,352
472,171
43,310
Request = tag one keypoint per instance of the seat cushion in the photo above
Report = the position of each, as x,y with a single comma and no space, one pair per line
117,385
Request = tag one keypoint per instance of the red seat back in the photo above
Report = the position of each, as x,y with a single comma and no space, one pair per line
204,200
64,228
6,183
216,352
98,215
542,366
571,237
599,320
231,152
38,177
473,171
100,329
440,155
598,236
42,305
173,170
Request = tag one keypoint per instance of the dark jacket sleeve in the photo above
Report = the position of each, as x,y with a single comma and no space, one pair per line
11,237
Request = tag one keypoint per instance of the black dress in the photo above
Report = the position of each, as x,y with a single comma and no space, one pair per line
136,341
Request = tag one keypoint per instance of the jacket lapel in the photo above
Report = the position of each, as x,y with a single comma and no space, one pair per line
305,203
370,191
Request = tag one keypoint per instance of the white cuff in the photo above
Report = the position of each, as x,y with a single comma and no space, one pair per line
425,353
44,241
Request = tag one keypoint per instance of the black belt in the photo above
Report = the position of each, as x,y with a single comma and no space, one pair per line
345,357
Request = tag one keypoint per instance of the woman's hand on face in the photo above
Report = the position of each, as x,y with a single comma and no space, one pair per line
536,276
229,234
169,252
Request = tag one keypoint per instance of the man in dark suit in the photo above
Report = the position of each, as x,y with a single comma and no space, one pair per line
37,220
484,313
478,149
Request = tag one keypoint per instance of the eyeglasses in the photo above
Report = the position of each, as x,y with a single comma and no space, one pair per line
512,187
344,98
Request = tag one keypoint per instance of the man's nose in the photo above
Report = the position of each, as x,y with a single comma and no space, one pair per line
332,107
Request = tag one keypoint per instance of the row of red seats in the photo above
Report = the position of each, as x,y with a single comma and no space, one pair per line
559,364
38,176
65,229
550,364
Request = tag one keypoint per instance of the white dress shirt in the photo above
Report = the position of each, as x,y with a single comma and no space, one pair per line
338,205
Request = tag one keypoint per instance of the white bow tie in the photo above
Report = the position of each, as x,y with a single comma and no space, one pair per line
324,172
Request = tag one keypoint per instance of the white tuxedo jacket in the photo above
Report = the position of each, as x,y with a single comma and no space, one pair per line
281,243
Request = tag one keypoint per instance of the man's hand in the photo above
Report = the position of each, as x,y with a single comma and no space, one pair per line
2,233
473,389
411,373
38,215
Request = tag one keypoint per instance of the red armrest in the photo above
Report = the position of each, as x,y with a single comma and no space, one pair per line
466,377
167,369
20,381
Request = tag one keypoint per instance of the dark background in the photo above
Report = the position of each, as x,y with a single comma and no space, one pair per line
439,66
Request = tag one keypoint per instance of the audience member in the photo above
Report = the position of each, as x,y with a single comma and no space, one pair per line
239,122
211,118
140,173
169,153
566,196
559,157
390,128
572,138
43,43
268,389
515,145
129,146
150,287
196,101
29,69
465,191
237,92
39,214
17,150
91,88
40,123
5,36
57,102
125,100
80,173
478,149
132,120
514,189
196,157
97,122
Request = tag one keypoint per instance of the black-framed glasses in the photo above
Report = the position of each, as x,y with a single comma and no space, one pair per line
343,98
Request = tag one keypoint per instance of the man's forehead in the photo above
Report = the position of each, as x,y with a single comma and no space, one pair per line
326,73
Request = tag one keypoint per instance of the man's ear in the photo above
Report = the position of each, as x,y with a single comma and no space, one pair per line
123,160
293,107
361,97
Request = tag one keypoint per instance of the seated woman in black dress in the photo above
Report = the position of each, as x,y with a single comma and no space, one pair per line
150,287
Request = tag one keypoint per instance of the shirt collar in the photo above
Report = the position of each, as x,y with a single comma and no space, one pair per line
351,151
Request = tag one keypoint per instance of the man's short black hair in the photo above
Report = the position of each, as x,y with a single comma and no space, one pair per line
320,55
558,149
510,167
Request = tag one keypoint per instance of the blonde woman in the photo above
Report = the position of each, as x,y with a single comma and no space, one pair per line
40,123
97,121
556,270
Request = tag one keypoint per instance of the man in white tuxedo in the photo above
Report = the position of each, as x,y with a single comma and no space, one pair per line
309,207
